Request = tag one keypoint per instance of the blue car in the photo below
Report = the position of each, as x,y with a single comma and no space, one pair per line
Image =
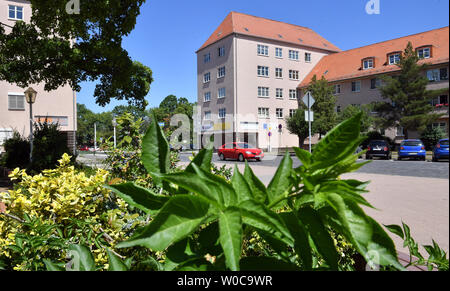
412,149
440,151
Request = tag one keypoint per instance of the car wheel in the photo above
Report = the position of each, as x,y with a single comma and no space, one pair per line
368,157
435,160
222,157
258,160
241,158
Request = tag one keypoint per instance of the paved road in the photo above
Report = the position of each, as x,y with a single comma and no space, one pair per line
438,170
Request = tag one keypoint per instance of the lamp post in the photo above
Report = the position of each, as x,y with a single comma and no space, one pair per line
114,123
30,95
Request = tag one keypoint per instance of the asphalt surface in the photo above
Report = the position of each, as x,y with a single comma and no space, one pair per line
409,168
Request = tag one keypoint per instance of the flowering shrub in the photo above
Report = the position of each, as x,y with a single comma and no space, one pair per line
74,207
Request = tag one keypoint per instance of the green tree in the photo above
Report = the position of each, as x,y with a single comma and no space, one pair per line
324,109
367,121
408,101
44,49
298,126
431,136
86,120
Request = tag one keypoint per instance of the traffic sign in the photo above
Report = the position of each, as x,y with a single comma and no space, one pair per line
308,100
311,114
270,134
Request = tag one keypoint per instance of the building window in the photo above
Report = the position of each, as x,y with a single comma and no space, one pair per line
375,83
263,112
293,75
15,12
338,108
279,52
221,51
440,101
394,59
263,71
293,55
222,113
207,58
356,86
206,78
308,57
441,125
16,102
337,89
437,75
400,131
292,112
221,72
207,96
293,94
279,112
263,50
263,92
208,115
221,93
279,73
5,134
424,53
279,93
368,64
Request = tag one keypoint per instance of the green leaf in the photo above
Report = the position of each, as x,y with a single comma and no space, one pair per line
338,144
320,235
179,217
196,264
82,258
299,233
155,151
139,197
208,240
266,264
230,227
202,160
304,156
115,263
52,266
241,186
257,215
395,229
281,184
256,186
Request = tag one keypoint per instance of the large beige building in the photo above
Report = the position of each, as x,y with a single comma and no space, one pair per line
55,106
252,73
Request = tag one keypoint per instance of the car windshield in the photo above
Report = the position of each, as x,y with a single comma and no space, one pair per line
412,143
444,142
245,146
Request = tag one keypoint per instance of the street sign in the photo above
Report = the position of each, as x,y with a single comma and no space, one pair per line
161,124
270,134
308,100
311,114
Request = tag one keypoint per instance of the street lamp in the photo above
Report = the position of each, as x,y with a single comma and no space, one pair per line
30,96
114,123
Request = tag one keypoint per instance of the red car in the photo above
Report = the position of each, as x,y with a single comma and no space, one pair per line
240,151
84,148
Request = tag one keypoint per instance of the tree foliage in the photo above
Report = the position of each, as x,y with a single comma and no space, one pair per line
367,121
298,126
408,101
58,48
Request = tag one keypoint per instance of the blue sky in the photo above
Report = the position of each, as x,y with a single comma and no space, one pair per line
168,32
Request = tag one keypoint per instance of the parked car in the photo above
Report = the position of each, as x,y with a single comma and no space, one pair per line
240,151
84,148
440,151
412,148
378,148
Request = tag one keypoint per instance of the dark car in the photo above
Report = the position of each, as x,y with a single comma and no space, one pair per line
412,149
240,151
379,149
440,151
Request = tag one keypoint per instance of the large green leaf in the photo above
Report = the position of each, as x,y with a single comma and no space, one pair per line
281,184
139,197
257,215
81,258
320,235
299,233
256,186
363,232
50,266
241,186
179,217
339,143
115,263
304,156
203,160
266,264
230,226
155,151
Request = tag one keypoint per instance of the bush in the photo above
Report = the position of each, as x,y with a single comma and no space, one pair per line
431,136
17,152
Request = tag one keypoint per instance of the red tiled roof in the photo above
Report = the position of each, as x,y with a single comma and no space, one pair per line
347,64
270,29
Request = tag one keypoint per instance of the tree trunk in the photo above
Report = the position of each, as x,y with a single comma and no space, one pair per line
406,133
301,142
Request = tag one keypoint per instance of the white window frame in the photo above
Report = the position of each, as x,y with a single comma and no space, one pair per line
263,112
308,57
222,113
221,93
294,55
221,51
294,75
279,113
15,7
422,52
356,87
206,58
395,60
263,92
263,71
279,52
279,73
16,96
400,131
263,50
368,64
292,112
207,115
206,78
221,72
336,91
279,93
293,94
207,97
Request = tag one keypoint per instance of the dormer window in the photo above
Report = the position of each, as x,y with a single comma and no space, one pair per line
424,52
368,63
394,58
